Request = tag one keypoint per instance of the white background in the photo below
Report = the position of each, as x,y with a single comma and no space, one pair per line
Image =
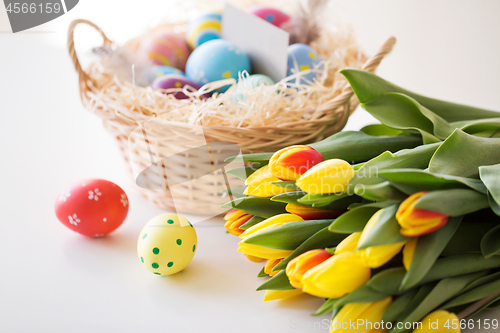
53,280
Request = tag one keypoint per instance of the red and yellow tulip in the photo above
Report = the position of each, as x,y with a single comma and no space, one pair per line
270,264
299,265
417,222
235,219
311,213
292,162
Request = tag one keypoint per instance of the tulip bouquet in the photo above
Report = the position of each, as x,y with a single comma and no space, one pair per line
393,225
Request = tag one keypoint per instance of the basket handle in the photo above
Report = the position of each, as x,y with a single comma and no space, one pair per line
83,77
343,99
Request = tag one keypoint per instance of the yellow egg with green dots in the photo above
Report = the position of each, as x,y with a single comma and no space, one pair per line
167,244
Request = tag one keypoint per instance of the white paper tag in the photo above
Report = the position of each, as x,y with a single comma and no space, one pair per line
265,44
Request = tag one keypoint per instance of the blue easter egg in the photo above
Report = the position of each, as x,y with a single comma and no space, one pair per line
204,28
302,57
216,60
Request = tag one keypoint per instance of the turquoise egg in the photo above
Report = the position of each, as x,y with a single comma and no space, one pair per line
248,83
254,81
216,60
203,28
302,57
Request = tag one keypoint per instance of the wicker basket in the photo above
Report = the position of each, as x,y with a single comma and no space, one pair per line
203,196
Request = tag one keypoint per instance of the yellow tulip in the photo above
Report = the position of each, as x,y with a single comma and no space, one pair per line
270,264
273,295
299,265
336,276
259,184
270,223
291,162
435,323
254,259
349,243
331,176
376,256
418,222
408,252
262,252
366,317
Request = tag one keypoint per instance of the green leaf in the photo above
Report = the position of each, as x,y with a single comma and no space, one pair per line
490,175
403,112
242,172
421,294
320,240
250,223
353,220
482,281
329,201
236,192
453,202
351,146
325,308
290,198
418,157
443,291
290,185
386,231
278,282
363,294
368,86
495,207
490,244
262,273
428,249
381,191
381,130
414,180
475,294
467,239
398,306
462,154
262,207
287,236
388,281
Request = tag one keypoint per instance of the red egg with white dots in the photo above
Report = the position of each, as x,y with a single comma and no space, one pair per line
92,207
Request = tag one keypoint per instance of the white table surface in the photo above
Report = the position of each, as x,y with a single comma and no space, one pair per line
54,280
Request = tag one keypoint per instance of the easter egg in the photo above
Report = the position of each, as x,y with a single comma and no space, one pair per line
167,49
167,244
203,28
248,83
302,57
216,60
272,15
253,81
174,81
92,207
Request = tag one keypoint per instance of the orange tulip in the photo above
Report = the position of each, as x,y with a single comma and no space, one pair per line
235,219
311,213
291,162
270,264
417,222
298,266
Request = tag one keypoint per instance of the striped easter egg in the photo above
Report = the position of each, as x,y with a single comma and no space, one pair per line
168,49
203,28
